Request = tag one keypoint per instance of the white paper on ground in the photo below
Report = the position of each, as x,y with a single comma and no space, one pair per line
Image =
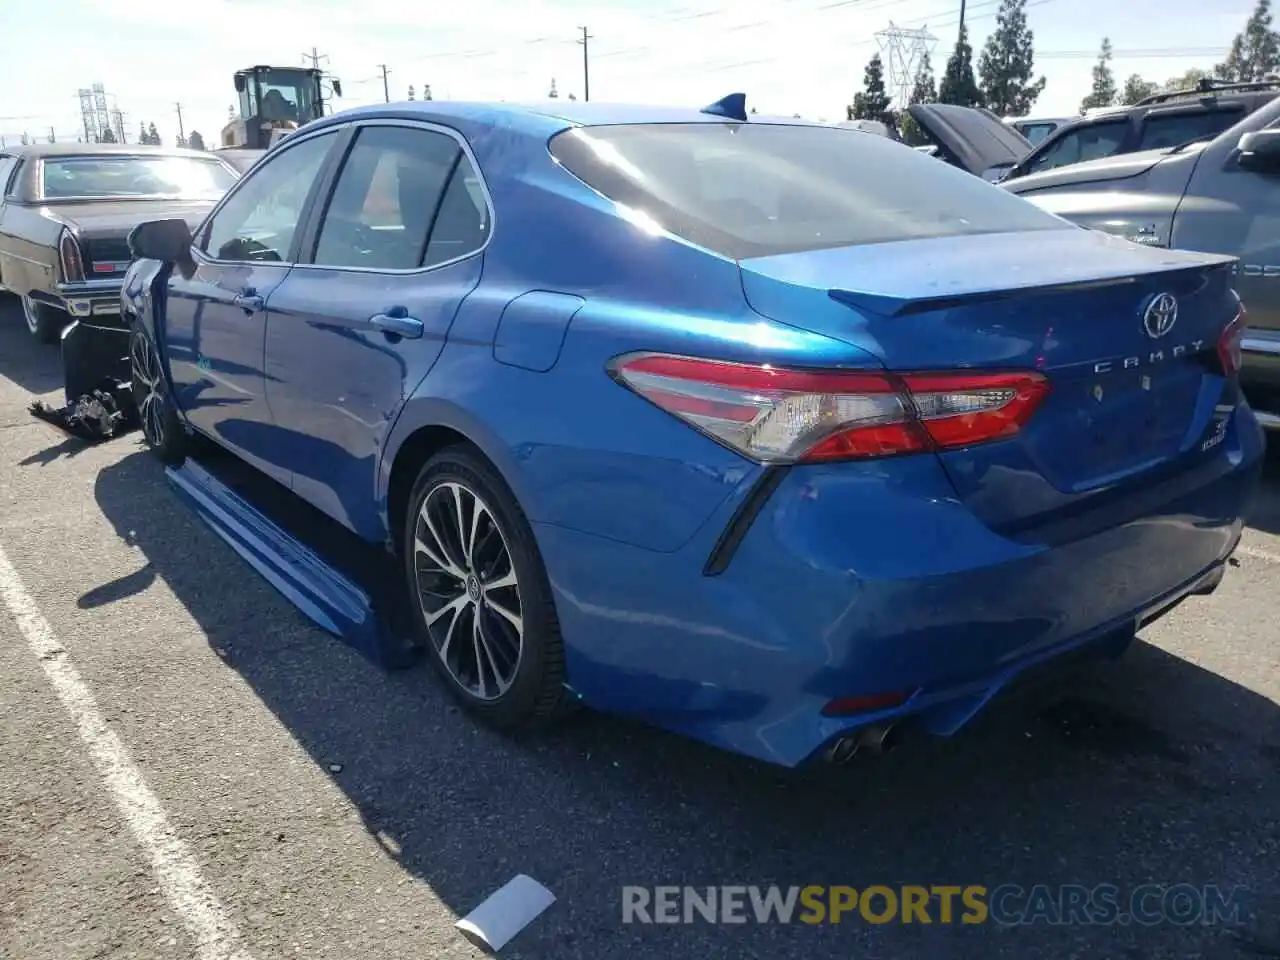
506,912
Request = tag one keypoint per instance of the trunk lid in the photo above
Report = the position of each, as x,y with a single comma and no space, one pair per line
103,228
974,139
1129,392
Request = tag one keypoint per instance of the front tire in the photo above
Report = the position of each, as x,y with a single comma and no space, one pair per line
45,322
479,594
157,414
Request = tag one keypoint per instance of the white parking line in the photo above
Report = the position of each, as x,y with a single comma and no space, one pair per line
172,863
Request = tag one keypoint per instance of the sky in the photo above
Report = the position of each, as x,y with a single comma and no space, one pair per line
788,56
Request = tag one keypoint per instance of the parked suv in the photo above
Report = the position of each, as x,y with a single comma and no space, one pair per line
1161,120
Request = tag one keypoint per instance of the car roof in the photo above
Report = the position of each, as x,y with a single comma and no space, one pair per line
99,150
534,117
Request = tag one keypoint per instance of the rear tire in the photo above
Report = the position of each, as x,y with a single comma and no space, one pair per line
157,413
45,322
479,595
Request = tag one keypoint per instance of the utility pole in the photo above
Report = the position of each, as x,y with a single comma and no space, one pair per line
386,91
182,133
586,68
961,18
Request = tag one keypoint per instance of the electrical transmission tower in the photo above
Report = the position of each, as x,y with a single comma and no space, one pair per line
91,131
101,115
904,50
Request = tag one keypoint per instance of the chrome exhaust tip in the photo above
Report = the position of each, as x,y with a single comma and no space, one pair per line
877,738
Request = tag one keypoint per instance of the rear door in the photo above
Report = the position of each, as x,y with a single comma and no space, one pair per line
216,319
354,330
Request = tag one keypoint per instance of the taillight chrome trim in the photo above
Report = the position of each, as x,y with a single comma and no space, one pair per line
70,256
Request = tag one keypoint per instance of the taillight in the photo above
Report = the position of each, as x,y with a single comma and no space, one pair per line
1229,344
69,252
781,415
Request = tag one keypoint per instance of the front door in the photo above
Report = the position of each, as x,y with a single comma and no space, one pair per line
216,318
1228,209
351,334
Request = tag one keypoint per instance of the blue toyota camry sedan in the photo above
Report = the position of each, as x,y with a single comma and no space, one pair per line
778,435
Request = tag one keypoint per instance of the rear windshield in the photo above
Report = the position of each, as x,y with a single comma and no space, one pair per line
102,178
752,190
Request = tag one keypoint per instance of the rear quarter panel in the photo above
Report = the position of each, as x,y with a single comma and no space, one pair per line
578,449
28,248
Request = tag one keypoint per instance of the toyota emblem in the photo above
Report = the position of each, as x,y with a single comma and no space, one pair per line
1161,315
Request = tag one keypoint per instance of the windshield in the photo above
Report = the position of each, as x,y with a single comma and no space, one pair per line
101,178
749,190
287,96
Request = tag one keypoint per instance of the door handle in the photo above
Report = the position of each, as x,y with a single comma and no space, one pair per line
409,327
249,302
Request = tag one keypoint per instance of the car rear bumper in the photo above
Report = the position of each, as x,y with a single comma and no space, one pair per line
1261,375
91,298
871,580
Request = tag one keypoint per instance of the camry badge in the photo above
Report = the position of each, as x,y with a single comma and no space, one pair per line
1160,316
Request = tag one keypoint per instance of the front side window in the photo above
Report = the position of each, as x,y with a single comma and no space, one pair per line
1171,130
108,177
402,200
745,190
1093,142
1036,132
259,220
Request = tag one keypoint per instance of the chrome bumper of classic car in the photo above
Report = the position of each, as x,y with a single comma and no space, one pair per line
91,298
1260,375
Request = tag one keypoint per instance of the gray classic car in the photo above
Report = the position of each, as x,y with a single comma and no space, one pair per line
66,211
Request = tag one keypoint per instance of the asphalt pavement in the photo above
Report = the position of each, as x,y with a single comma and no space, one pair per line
189,768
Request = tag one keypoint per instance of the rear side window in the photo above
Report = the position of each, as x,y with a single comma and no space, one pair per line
750,190
1172,129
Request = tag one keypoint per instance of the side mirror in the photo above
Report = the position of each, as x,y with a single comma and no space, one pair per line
241,82
168,241
1260,151
997,171
337,87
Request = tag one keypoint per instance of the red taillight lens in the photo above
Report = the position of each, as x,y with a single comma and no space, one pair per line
69,252
1229,344
782,415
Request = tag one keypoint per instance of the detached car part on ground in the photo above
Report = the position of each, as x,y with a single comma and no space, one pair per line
779,462
66,211
1221,196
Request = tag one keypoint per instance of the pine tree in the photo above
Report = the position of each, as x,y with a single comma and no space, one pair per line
1103,93
873,102
1135,89
924,90
142,133
153,136
1255,52
958,84
195,141
108,136
1007,63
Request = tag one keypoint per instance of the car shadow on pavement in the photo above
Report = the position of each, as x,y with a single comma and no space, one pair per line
1148,770
36,367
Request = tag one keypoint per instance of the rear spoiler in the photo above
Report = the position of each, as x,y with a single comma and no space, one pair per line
887,305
